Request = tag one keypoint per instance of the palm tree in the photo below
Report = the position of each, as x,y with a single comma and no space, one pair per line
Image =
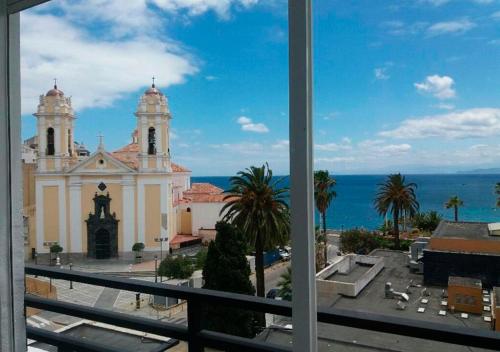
285,285
398,198
323,195
454,202
497,192
257,206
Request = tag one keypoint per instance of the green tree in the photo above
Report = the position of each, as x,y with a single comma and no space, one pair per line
227,269
397,197
285,285
454,202
427,221
176,267
358,241
200,258
323,195
257,206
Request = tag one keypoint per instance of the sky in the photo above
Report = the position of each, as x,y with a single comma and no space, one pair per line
409,86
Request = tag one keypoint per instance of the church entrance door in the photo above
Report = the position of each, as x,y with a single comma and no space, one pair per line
102,244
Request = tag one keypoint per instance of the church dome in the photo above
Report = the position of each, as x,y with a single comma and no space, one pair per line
153,91
55,92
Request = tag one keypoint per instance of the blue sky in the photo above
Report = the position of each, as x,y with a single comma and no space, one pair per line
409,86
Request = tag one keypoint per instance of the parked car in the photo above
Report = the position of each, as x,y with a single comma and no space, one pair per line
284,255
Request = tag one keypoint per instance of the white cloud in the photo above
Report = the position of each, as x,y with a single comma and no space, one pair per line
240,148
472,123
281,144
496,15
450,27
435,2
345,144
445,106
96,72
133,16
211,78
439,86
248,125
381,73
338,159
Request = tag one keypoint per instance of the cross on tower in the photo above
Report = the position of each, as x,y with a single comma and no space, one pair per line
55,83
101,137
153,81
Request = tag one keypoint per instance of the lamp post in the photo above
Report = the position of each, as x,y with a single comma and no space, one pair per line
161,240
156,268
71,281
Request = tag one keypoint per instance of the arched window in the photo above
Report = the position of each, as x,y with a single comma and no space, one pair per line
70,149
188,210
151,141
50,141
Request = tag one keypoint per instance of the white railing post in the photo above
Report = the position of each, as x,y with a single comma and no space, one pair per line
301,177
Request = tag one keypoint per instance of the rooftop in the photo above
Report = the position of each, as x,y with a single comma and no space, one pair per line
204,193
372,299
464,230
124,339
464,281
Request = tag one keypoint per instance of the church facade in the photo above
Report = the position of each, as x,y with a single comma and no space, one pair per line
101,204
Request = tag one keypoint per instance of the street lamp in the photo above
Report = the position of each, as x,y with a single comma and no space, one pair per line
161,240
71,281
156,268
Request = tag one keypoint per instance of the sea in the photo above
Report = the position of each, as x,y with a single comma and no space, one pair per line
353,206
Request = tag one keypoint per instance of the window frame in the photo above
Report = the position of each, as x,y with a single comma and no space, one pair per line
301,176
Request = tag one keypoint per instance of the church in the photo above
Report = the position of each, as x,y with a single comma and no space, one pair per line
100,204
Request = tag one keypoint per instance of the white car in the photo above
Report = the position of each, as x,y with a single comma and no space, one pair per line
284,255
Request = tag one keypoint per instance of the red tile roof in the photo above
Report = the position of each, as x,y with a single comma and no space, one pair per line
204,193
129,156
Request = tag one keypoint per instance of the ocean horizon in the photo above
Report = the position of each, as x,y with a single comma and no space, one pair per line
353,206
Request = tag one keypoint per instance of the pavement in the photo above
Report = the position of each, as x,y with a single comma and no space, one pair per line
120,300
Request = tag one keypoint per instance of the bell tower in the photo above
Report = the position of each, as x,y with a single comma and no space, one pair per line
153,123
55,127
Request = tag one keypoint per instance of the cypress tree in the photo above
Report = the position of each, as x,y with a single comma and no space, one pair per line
227,269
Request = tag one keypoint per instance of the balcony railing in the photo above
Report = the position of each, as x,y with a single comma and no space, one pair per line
199,338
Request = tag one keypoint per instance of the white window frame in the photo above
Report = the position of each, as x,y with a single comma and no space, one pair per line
12,322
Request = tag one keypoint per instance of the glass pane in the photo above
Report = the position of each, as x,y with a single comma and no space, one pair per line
135,117
408,133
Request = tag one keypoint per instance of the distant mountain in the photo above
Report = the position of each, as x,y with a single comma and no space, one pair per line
494,170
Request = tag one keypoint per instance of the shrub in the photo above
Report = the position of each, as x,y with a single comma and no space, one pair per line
360,241
56,248
178,267
138,246
427,221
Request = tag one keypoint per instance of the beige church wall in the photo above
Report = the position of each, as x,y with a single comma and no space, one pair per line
51,213
87,195
29,189
63,137
68,220
152,214
50,164
164,139
151,163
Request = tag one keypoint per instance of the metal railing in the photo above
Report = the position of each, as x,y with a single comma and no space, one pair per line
199,338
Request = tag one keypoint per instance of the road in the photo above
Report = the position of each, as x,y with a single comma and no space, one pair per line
272,275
